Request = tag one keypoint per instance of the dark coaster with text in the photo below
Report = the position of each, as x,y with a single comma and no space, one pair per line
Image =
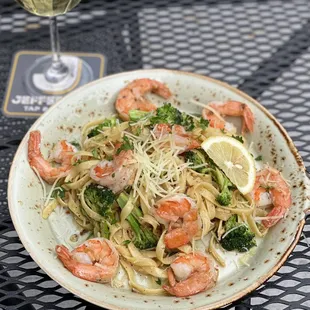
19,101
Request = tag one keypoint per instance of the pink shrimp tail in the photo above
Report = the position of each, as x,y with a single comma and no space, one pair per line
249,120
276,211
64,255
34,146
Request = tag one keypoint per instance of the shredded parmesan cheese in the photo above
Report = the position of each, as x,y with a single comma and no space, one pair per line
159,169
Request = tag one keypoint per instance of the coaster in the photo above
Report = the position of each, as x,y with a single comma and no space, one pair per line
19,103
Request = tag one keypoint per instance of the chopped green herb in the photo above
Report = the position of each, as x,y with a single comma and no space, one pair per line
126,145
109,157
95,153
139,131
109,122
203,123
239,138
158,281
126,242
223,130
113,175
259,158
79,161
76,144
58,192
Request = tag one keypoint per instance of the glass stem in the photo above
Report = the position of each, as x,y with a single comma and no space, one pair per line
57,70
55,40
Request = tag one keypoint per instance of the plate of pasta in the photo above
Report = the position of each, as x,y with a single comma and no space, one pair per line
154,188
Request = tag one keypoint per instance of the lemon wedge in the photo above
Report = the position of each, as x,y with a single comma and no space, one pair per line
234,159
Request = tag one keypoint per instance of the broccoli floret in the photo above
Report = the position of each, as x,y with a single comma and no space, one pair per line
199,157
101,199
109,122
225,195
224,198
136,115
196,157
143,236
187,122
167,114
237,236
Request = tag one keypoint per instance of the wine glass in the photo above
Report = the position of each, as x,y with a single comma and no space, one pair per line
54,74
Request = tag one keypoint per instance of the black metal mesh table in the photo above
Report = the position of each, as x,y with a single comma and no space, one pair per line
262,47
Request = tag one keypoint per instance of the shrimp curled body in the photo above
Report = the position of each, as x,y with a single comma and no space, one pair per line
270,180
131,97
180,211
62,154
95,260
182,139
191,274
229,108
115,174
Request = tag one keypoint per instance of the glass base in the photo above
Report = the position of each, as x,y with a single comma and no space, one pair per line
39,79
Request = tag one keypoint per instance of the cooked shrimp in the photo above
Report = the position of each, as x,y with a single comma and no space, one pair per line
191,274
62,153
131,97
229,108
180,211
95,260
115,174
270,180
181,138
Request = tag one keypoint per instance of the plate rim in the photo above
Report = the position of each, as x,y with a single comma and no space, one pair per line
214,305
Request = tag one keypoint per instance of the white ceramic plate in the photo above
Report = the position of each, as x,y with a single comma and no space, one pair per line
95,100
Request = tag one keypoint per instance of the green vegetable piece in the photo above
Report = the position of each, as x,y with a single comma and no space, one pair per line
58,192
79,161
109,122
126,242
225,186
167,114
126,145
203,123
187,122
237,237
138,131
95,153
105,230
225,195
136,115
158,281
76,144
144,237
197,157
259,158
100,199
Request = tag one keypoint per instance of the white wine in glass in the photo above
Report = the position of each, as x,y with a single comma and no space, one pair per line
48,7
54,74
